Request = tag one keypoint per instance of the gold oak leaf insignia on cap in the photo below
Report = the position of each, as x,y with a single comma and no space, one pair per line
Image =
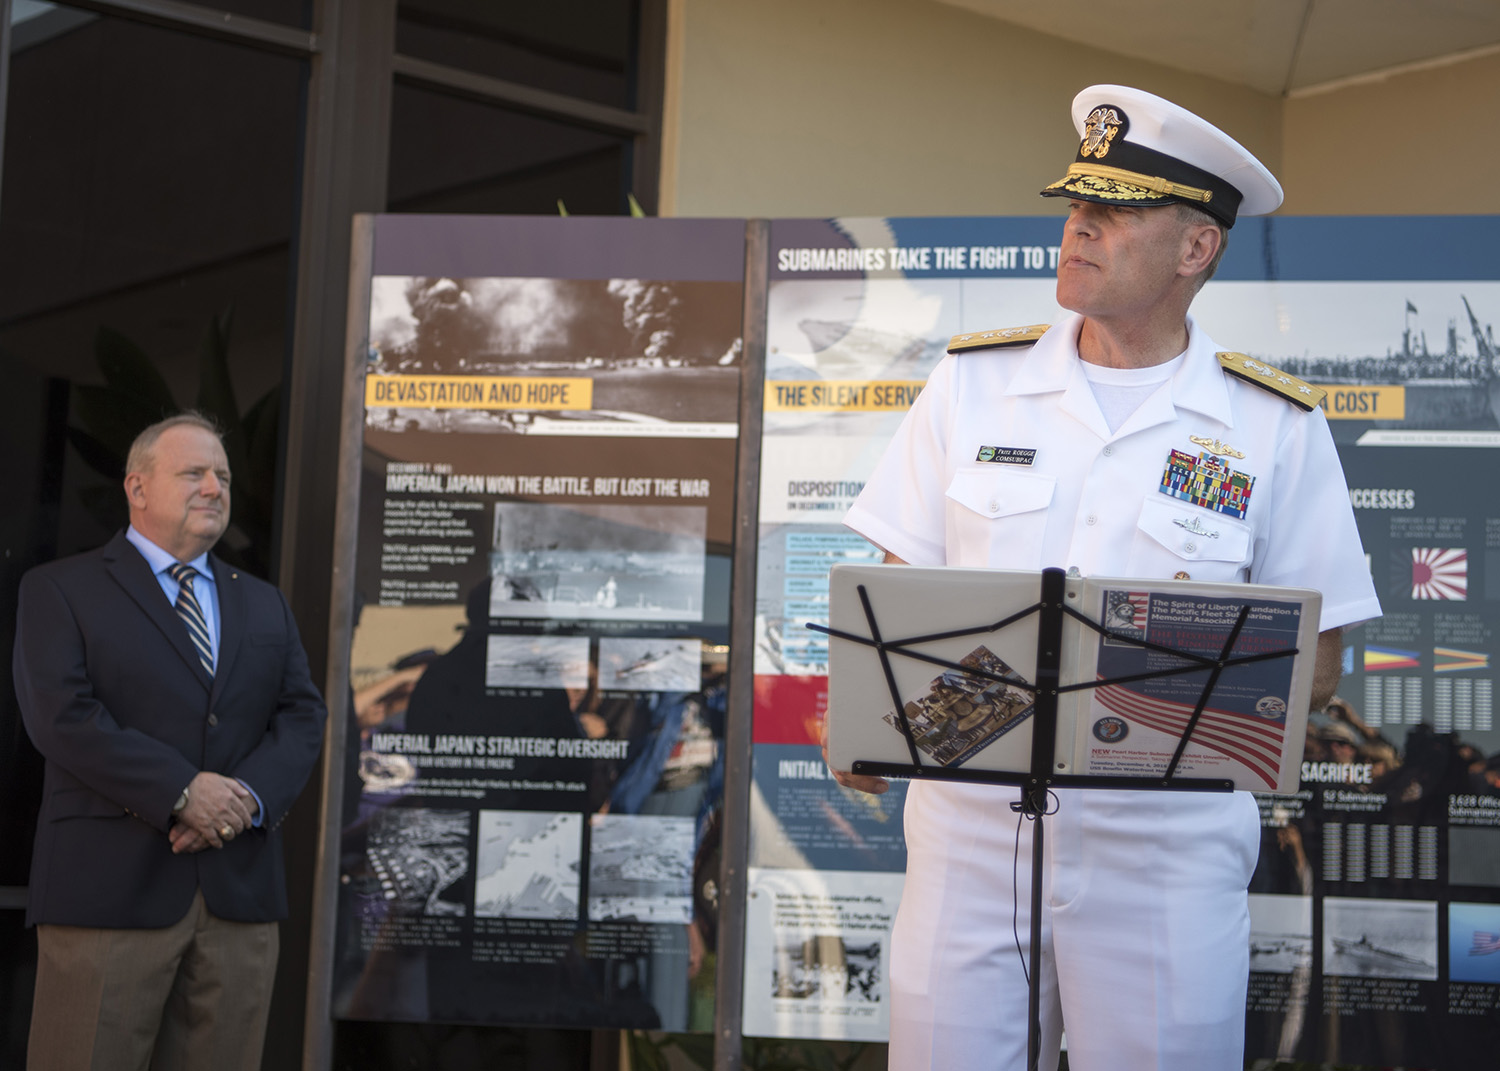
1003,336
1304,396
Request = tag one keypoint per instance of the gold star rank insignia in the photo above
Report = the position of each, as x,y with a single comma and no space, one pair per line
1004,336
1304,396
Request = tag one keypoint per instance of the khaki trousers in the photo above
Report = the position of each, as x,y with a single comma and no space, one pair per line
192,996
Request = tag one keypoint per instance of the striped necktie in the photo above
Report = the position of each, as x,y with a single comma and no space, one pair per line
191,613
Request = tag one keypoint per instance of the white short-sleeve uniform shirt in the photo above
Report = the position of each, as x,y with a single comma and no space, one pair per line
1072,494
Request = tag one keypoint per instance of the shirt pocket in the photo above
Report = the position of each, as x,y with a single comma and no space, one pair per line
997,518
1175,537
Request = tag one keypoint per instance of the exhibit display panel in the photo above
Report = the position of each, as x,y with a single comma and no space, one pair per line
1375,904
542,622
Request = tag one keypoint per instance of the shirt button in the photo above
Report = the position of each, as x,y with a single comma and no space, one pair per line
213,719
1109,451
1093,518
1190,547
994,505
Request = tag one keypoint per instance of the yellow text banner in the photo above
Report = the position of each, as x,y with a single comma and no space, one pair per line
478,392
1364,402
841,395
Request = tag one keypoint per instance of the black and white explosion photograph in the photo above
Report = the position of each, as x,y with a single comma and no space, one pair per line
528,865
641,868
418,855
598,563
656,352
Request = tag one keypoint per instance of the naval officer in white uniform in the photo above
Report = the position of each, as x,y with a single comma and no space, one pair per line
1068,446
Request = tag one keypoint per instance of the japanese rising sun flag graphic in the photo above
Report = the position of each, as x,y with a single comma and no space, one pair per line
1439,573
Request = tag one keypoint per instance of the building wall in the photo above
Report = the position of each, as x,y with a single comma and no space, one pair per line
1416,143
902,107
890,107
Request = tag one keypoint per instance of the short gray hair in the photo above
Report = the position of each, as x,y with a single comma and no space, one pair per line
141,456
1191,215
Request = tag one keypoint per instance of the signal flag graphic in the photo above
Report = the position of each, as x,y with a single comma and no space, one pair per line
1452,660
1378,658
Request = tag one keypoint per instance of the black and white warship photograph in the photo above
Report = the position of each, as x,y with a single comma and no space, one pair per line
1435,341
641,868
1380,938
598,563
529,865
418,855
627,664
536,661
826,967
663,357
1281,933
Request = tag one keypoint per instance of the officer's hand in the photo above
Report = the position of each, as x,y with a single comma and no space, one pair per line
860,782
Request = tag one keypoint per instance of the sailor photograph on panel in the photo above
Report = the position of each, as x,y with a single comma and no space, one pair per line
641,868
1380,938
536,661
528,865
417,857
1281,933
598,563
826,967
653,352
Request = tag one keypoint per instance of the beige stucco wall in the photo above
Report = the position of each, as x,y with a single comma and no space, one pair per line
1417,143
780,108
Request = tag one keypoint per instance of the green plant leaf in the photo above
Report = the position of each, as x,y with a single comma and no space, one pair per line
130,372
635,207
114,419
562,209
215,390
106,462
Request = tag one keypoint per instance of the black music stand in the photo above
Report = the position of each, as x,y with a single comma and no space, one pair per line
1052,611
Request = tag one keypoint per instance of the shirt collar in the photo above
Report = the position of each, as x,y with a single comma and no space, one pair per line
1198,385
159,560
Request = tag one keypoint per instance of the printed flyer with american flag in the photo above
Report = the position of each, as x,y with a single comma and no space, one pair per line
1255,705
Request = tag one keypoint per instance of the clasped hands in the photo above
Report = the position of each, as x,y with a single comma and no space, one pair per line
219,808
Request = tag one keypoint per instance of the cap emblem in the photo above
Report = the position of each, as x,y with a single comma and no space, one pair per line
1099,130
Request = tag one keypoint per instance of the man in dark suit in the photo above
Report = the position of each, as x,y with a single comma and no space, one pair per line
170,696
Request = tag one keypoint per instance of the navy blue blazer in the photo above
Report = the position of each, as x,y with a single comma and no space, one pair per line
115,699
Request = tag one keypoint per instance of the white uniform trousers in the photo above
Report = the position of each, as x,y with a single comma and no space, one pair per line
1145,931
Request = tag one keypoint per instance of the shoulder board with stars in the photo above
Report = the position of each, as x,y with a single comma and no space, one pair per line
1303,395
1005,336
